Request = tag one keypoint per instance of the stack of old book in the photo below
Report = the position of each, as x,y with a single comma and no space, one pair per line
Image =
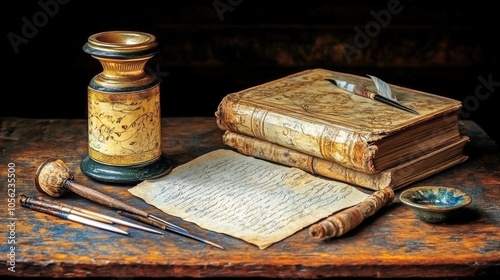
305,121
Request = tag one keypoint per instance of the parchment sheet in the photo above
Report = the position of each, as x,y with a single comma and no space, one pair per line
248,198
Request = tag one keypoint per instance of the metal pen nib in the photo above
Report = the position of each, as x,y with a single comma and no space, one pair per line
151,216
387,101
167,227
364,92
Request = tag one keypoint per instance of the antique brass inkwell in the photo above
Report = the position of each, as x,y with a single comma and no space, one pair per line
124,120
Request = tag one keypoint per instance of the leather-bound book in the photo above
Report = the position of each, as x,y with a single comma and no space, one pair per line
307,113
396,177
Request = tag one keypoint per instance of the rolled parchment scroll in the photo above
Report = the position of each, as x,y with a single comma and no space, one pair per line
345,220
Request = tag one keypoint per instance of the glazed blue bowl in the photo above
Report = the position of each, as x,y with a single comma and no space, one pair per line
434,204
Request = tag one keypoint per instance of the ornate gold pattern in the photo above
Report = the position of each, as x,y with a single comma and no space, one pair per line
124,129
124,120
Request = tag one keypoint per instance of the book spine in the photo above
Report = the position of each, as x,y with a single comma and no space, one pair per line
258,148
325,141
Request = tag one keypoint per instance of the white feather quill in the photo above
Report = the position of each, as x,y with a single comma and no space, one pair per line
383,88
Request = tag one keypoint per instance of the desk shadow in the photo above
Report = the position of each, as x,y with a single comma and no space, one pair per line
463,216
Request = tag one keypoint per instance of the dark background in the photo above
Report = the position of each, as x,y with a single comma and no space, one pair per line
442,47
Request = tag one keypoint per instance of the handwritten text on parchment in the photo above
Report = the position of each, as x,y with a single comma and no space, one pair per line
254,200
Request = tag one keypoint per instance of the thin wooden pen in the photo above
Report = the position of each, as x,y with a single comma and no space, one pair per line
69,216
91,214
54,178
62,207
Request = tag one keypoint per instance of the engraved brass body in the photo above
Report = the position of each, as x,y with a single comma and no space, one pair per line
124,116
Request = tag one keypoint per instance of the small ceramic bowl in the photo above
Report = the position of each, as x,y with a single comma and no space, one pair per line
434,204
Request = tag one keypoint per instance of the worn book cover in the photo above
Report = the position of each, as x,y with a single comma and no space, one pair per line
396,177
307,113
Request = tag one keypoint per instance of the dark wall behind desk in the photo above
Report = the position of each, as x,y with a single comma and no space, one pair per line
213,47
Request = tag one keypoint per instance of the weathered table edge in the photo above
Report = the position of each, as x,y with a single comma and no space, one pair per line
69,270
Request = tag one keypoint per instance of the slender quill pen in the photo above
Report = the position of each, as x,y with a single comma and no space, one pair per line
167,227
71,217
51,203
384,94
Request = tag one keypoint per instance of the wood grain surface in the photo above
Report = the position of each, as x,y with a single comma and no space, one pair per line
391,243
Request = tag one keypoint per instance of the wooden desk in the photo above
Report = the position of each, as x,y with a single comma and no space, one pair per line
392,243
